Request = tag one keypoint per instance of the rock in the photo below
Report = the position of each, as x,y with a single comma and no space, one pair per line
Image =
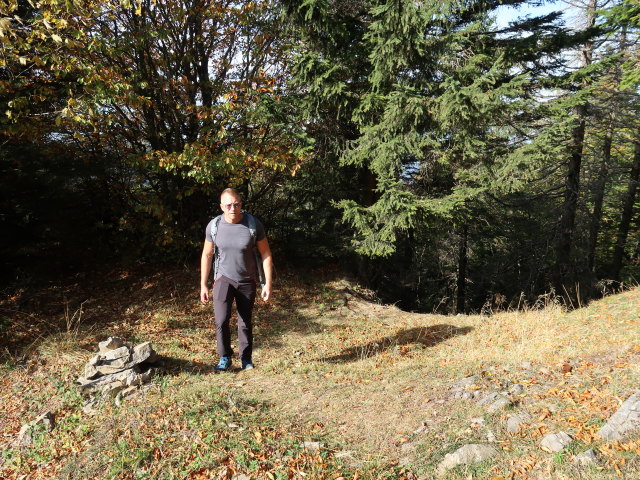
128,391
470,394
586,459
625,421
314,446
47,419
465,389
111,369
88,385
144,353
117,367
466,382
499,404
25,436
89,408
514,422
506,383
554,442
113,389
90,371
473,453
110,343
117,354
122,352
516,389
111,386
421,429
489,399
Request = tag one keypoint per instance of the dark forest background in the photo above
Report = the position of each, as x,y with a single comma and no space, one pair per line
452,160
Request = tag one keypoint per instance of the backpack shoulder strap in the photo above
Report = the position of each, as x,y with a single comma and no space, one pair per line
253,228
214,227
216,256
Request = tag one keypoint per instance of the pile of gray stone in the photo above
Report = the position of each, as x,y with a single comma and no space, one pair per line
118,369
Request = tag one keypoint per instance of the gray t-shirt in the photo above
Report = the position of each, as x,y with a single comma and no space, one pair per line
235,248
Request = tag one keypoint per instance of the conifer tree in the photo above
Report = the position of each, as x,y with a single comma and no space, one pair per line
442,89
445,115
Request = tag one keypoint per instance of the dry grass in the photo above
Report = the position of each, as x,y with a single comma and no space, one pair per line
368,376
376,373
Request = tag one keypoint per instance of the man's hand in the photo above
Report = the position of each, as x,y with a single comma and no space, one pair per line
205,270
204,294
267,265
266,293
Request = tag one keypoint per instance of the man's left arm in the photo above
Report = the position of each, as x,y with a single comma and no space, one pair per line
267,265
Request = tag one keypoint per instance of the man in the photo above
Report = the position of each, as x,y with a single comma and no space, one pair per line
236,275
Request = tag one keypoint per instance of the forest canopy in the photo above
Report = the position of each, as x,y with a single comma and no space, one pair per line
448,156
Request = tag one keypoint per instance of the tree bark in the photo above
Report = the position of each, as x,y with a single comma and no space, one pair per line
572,180
569,207
627,214
461,299
598,199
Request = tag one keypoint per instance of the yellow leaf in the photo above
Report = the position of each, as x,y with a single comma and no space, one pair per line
5,25
56,38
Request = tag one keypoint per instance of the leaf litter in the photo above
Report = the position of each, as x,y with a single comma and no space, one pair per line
334,366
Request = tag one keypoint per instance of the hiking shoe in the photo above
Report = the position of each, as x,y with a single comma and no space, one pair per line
247,365
224,364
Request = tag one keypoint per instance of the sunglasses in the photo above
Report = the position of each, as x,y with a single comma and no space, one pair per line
228,206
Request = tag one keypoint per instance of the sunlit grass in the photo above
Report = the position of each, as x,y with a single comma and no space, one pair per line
333,366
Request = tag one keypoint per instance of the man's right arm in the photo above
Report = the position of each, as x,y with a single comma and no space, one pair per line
205,270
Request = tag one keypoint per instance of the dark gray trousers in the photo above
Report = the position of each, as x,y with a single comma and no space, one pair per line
225,291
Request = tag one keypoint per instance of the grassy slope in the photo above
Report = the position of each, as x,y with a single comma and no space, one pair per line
333,367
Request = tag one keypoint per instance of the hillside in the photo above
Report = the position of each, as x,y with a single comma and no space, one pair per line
374,392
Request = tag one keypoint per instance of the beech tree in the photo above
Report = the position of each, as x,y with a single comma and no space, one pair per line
189,94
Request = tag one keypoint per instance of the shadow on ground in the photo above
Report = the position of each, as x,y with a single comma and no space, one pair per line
426,336
175,366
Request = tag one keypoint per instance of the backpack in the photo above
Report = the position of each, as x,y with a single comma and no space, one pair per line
251,221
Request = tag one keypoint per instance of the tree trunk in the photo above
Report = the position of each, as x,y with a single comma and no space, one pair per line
598,199
569,207
462,271
627,214
572,180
